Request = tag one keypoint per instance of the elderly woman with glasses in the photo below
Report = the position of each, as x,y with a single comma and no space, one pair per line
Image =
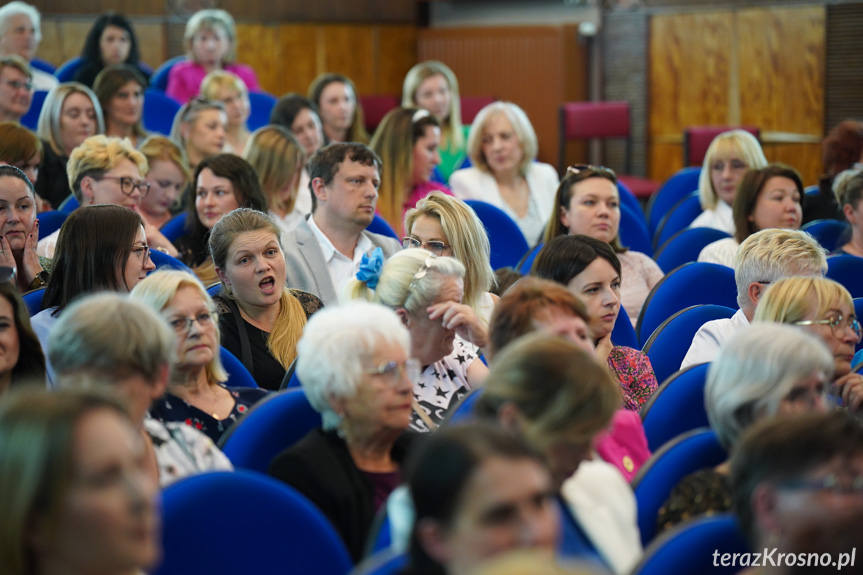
196,392
355,367
426,291
825,309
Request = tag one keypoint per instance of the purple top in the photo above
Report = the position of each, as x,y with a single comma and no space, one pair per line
184,79
382,485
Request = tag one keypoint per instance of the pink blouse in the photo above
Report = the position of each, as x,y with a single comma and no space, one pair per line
184,79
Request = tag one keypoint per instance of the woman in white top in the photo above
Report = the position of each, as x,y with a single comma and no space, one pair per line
729,156
767,198
502,146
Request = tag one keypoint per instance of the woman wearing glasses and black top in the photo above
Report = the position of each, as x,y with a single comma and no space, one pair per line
587,203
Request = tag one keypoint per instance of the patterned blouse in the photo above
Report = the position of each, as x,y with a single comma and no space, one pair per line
182,451
635,375
441,386
704,492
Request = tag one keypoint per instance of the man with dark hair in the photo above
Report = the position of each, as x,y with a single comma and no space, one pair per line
325,250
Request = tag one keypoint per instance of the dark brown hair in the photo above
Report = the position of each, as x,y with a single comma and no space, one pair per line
750,189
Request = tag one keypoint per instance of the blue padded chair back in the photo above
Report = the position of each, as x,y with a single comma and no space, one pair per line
653,483
69,205
633,231
627,198
690,284
31,118
678,218
667,346
263,525
163,260
463,412
159,112
67,70
271,426
43,65
50,222
33,300
676,407
672,191
830,233
527,261
508,244
847,270
380,226
173,228
238,375
214,289
159,79
623,333
262,105
689,548
684,247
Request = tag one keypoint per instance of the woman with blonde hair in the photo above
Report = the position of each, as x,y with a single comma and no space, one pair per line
260,317
211,44
433,86
199,129
120,89
502,146
71,114
168,177
279,160
229,89
728,157
407,143
341,114
196,392
446,226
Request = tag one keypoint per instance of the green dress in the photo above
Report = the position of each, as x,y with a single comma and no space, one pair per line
452,156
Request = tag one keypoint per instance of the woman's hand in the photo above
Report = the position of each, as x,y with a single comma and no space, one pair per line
603,349
6,258
462,319
29,259
850,388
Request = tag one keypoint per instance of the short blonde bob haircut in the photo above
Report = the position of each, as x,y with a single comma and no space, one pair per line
216,21
158,290
218,79
521,126
99,154
452,134
467,238
48,127
739,143
787,300
278,159
159,148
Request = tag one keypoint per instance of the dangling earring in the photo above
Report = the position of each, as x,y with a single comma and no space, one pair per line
340,427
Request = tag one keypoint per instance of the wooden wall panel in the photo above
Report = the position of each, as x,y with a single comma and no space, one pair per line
257,46
298,51
350,50
398,54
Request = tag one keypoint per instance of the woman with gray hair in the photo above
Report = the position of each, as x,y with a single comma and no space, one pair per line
353,361
426,292
768,370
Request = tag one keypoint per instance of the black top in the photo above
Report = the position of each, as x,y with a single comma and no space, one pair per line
823,205
88,71
193,250
320,467
266,370
53,183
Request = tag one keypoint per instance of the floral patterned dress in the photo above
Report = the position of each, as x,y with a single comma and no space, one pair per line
634,373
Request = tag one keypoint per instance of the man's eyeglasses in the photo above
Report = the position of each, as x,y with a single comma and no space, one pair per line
435,247
16,85
423,272
837,323
128,185
393,371
184,324
842,484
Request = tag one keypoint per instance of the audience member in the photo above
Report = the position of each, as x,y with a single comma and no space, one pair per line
120,89
341,114
407,142
767,198
587,202
841,150
211,44
433,86
589,268
229,89
848,190
356,372
300,116
168,178
326,250
728,157
196,392
763,258
426,292
70,114
21,148
502,146
16,88
199,129
90,347
222,184
446,226
111,41
461,477
21,357
768,370
796,486
77,496
279,161
260,318
19,231
825,309
20,34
